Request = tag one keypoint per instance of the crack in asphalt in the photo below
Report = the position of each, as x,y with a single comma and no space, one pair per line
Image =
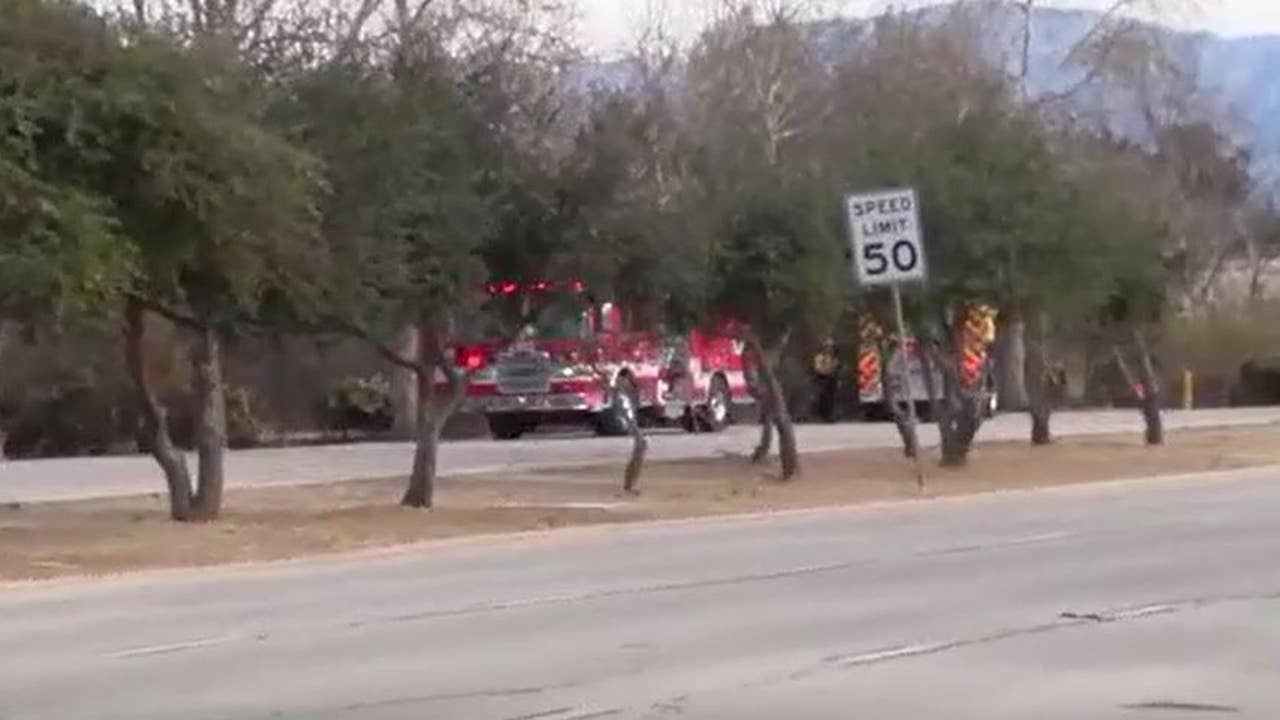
604,594
544,714
368,705
1066,621
1181,706
675,586
500,605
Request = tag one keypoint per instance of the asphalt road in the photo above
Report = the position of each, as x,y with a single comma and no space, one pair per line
60,479
1127,601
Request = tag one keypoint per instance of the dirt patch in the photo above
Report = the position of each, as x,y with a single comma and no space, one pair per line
104,536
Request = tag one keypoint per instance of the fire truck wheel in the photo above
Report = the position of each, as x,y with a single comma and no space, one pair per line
506,427
615,420
716,414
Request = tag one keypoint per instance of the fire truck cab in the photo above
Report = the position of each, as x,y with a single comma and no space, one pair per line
575,361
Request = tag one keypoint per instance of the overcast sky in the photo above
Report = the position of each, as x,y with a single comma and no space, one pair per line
610,24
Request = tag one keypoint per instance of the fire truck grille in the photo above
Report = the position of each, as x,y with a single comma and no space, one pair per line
524,376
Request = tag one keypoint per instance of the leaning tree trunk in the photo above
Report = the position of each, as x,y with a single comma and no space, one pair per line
1041,403
788,454
1150,384
432,415
958,413
639,447
901,417
1010,350
154,426
426,449
211,430
4,339
404,389
754,385
765,444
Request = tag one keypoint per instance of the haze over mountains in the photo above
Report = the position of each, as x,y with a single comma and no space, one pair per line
1241,75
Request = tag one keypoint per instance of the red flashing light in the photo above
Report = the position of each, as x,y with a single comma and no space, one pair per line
469,358
511,287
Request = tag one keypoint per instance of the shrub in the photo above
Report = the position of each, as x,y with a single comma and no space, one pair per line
247,424
71,419
1219,342
358,403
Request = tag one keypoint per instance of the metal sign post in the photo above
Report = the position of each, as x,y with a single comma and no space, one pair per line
888,249
912,421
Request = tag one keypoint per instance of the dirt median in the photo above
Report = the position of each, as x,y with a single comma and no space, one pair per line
90,537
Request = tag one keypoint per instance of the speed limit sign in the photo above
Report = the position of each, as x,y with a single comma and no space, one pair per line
885,231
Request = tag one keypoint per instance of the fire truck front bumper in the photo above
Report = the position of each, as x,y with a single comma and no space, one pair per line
548,403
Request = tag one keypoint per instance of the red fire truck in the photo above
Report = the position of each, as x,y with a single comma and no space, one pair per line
575,361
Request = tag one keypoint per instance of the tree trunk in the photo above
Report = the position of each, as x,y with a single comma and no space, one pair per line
907,430
154,426
1150,384
957,410
788,454
1041,401
211,430
1011,355
4,341
432,415
639,446
765,444
961,429
404,390
754,384
426,449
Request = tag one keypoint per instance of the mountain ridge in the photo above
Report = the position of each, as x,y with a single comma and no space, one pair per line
1242,74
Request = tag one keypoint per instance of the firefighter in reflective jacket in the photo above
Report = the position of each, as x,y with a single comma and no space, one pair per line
826,373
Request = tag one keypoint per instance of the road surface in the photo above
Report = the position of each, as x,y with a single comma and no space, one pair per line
1155,600
62,479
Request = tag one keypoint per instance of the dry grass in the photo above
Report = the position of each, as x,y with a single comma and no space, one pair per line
104,536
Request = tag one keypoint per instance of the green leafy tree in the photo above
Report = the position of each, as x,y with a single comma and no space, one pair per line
1002,219
757,206
404,224
162,146
60,249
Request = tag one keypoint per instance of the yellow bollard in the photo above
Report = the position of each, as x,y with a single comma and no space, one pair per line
1188,389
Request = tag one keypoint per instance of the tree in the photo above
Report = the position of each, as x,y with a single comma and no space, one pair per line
211,211
403,227
1110,40
436,142
220,212
919,106
772,263
59,242
61,257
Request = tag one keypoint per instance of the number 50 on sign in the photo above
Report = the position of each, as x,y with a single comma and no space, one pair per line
885,230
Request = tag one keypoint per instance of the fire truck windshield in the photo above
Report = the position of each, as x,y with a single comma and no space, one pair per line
558,317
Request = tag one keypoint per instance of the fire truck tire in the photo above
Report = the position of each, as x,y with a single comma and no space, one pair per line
615,420
716,415
507,427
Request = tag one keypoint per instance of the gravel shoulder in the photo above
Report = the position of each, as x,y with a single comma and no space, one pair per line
107,536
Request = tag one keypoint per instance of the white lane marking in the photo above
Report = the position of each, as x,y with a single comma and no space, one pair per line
169,647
